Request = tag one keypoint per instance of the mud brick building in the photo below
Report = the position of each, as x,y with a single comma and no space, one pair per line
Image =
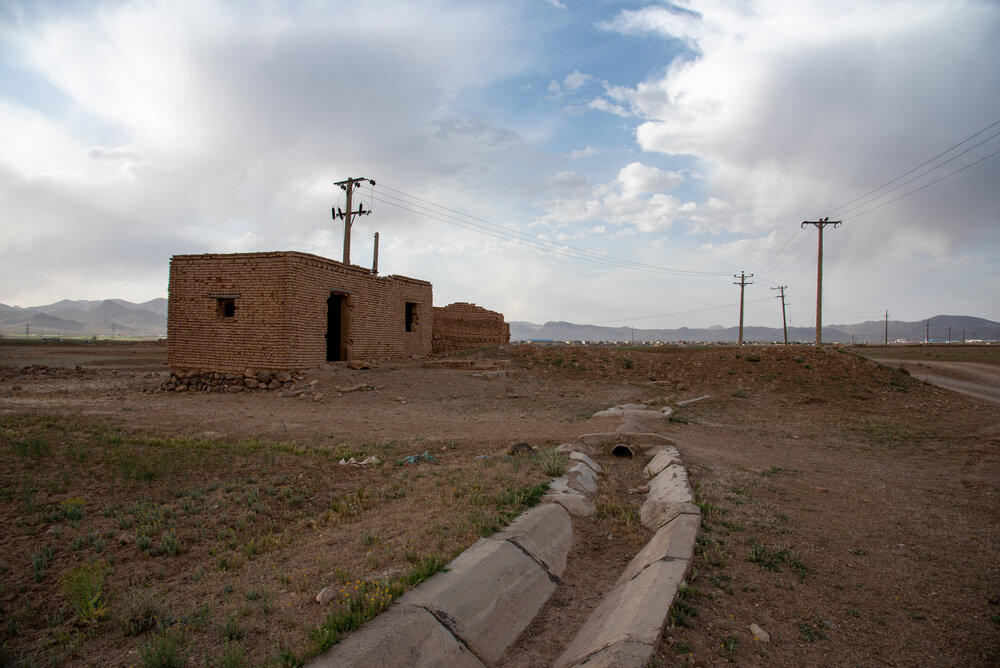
461,326
289,310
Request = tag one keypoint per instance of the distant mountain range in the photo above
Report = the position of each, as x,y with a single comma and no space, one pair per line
149,319
87,318
938,328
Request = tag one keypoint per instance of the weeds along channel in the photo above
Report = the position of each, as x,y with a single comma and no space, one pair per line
153,551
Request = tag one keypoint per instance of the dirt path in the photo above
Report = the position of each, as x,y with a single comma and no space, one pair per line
976,379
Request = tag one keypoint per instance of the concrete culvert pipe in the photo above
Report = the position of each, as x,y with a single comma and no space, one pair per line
622,450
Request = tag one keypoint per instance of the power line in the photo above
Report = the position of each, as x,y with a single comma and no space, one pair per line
924,164
441,213
508,233
779,259
793,261
916,190
779,251
676,313
556,250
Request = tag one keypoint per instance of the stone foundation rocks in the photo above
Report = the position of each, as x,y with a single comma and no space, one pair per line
217,381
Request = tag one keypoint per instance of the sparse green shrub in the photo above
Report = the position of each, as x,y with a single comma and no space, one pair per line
40,560
84,589
165,650
140,611
551,461
232,630
34,447
233,656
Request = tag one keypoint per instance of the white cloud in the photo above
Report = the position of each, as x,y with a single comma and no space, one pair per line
633,201
794,108
584,152
639,179
576,80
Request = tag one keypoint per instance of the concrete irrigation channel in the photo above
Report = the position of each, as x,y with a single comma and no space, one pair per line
471,614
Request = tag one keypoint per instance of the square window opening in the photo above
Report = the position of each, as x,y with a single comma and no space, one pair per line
227,308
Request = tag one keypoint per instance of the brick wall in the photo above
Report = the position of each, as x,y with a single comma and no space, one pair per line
462,326
279,314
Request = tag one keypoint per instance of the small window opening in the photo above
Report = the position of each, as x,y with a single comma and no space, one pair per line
227,308
411,316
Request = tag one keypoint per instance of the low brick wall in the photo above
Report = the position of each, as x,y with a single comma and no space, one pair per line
462,326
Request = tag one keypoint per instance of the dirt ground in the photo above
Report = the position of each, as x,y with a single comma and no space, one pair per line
850,510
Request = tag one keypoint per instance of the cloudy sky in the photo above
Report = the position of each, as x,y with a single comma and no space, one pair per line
597,162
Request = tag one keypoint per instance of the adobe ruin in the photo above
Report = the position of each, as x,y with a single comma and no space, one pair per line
229,314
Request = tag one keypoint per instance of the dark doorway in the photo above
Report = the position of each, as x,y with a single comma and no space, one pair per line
336,328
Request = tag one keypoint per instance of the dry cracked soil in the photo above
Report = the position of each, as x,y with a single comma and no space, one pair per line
850,509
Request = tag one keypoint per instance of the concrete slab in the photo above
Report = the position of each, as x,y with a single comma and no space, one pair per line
491,592
546,533
582,457
633,612
644,413
621,655
582,478
647,438
600,440
560,485
666,456
607,440
655,514
671,484
400,636
575,504
669,495
674,540
575,447
691,401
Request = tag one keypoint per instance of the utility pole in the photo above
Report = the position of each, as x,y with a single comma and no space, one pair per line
375,257
887,327
742,283
820,224
349,185
784,324
927,333
949,335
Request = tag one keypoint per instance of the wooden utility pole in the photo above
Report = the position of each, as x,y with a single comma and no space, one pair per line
349,185
742,283
784,323
927,331
887,327
820,224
